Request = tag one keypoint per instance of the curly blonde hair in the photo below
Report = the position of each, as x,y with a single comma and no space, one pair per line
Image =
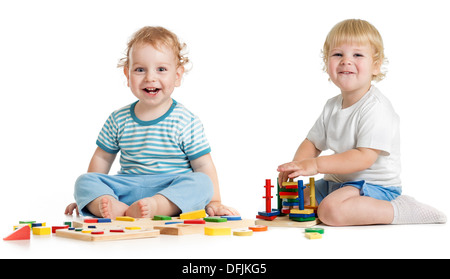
156,36
356,31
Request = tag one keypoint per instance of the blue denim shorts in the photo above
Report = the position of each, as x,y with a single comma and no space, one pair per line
324,188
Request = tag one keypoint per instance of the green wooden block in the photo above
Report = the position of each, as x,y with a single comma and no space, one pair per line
215,219
300,219
161,217
314,230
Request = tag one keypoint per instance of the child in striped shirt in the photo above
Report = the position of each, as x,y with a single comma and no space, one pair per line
166,166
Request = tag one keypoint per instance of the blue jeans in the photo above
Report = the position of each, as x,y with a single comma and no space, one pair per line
190,192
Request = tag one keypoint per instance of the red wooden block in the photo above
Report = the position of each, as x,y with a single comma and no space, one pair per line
97,232
269,218
195,221
92,220
22,233
117,231
288,193
54,228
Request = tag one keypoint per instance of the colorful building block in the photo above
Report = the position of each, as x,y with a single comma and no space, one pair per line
193,214
315,230
215,219
313,235
217,231
161,217
42,230
125,218
22,233
54,228
258,228
243,232
195,221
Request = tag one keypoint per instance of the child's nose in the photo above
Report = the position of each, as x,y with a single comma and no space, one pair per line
150,77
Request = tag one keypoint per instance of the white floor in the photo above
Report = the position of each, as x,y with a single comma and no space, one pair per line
402,241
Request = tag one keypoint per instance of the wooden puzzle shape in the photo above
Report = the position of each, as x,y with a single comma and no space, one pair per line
96,234
22,233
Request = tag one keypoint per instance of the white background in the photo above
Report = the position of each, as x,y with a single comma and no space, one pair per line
256,82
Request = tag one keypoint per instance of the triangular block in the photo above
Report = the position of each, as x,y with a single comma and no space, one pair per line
22,233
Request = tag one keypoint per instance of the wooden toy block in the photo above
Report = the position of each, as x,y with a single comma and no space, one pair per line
22,233
193,214
243,232
104,220
274,212
313,235
38,225
258,228
215,219
195,221
54,228
301,219
161,217
284,221
91,220
125,218
232,218
268,218
42,231
107,235
179,229
132,228
97,232
217,231
304,211
315,230
27,222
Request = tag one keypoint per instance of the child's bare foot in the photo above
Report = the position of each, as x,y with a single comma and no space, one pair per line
149,207
144,208
111,208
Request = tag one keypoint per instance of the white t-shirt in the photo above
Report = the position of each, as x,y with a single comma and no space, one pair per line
372,123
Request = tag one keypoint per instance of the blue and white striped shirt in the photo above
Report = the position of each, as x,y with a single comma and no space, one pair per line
164,145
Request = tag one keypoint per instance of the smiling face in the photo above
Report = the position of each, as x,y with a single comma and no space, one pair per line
152,75
351,67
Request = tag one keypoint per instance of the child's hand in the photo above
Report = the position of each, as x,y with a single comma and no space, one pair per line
70,208
294,169
218,209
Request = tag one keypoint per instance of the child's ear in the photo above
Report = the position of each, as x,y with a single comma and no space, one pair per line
179,76
127,74
376,68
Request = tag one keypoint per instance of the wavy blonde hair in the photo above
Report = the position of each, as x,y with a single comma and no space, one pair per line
156,36
356,31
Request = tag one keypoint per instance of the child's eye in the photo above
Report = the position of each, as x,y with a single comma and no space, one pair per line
139,70
358,55
337,54
161,69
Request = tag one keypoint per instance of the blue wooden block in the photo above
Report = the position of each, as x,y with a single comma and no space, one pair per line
173,222
232,218
104,220
274,212
302,215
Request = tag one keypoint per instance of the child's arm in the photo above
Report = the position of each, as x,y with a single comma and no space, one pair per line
306,150
351,161
101,161
205,165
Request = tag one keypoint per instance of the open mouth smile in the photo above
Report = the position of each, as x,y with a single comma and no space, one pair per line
152,90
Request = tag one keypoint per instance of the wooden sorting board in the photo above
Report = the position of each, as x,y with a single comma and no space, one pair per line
170,229
284,221
107,235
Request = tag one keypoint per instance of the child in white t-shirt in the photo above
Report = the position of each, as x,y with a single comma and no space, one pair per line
362,128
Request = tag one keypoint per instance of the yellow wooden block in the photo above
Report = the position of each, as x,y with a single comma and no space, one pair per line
304,211
289,184
289,197
217,231
243,232
125,218
42,230
132,228
193,214
313,235
86,231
